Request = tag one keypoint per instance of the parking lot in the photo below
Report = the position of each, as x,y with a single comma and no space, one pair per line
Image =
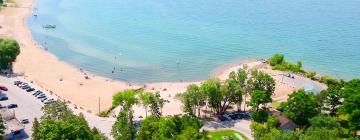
28,107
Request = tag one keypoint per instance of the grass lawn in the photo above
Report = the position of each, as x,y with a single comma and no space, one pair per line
226,134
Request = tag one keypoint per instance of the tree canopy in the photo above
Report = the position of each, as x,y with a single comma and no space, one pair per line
9,50
171,127
300,107
58,122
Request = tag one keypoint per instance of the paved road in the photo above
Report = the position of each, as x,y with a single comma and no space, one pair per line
28,106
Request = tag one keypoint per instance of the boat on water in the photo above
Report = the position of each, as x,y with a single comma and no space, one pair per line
48,26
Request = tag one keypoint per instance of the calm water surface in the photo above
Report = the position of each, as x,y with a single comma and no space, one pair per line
169,40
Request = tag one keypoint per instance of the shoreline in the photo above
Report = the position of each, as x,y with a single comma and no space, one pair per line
44,69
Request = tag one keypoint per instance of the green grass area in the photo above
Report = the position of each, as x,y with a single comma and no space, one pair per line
226,135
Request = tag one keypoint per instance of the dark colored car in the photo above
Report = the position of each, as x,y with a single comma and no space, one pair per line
30,89
3,98
24,121
222,118
12,106
3,88
17,83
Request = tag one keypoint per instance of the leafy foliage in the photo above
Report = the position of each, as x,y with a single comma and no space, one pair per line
2,127
172,127
277,61
9,50
351,103
125,99
193,99
58,122
124,127
300,107
35,129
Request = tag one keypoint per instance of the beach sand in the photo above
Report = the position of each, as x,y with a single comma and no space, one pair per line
38,66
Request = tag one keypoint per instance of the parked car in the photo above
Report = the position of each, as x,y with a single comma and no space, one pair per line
17,83
3,88
30,89
222,118
48,101
25,87
41,96
44,99
12,106
36,94
1,107
3,98
24,121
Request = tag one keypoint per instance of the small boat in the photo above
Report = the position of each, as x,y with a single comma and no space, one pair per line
49,26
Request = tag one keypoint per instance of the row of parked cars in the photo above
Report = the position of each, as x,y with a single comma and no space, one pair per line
235,116
10,106
38,94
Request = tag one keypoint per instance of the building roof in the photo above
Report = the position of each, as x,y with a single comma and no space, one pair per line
284,122
10,122
7,114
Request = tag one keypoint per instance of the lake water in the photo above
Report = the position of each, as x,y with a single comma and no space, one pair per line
172,40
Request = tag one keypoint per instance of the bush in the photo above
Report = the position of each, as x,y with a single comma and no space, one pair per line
278,62
311,75
260,116
276,59
329,80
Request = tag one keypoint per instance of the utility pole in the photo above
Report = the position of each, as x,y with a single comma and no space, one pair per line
99,106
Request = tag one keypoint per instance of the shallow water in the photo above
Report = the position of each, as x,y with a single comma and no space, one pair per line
168,40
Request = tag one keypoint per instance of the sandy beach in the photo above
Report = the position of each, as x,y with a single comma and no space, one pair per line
87,90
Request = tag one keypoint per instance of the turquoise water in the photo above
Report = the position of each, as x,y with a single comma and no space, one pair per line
172,40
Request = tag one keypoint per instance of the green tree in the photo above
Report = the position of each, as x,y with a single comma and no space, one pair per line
211,88
276,59
144,98
276,134
56,110
2,127
193,99
333,99
125,99
311,75
9,50
233,93
58,122
351,103
124,129
156,104
171,127
190,133
35,129
262,81
300,107
97,135
319,134
258,130
322,121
